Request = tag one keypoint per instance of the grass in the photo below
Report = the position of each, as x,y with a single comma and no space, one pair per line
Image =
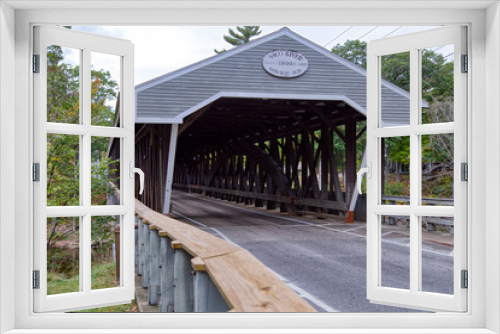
103,276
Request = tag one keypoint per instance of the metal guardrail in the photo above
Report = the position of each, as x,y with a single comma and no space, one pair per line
188,270
391,199
431,222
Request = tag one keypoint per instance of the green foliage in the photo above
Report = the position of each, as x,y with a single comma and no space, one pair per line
63,166
398,149
352,50
63,261
437,77
243,36
396,189
103,276
437,73
58,283
437,90
103,237
395,69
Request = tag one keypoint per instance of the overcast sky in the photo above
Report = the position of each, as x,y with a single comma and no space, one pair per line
159,50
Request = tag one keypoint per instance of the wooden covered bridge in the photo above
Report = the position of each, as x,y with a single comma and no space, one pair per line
275,122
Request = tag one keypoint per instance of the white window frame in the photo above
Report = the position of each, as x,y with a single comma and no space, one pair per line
484,102
85,43
414,44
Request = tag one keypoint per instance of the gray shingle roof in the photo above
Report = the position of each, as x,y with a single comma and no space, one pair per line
239,72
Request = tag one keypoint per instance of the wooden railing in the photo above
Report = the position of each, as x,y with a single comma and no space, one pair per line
188,270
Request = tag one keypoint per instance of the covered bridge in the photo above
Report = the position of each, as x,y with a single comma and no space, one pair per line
258,124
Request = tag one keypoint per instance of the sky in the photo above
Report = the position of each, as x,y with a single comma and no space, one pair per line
159,50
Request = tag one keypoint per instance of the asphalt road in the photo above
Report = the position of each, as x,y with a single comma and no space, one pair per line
324,260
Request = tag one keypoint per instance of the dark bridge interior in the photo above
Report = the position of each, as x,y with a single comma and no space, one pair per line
298,155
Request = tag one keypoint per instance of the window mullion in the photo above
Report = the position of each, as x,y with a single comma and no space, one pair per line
80,161
86,170
415,197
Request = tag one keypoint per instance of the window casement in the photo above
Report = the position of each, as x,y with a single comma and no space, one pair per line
75,208
453,130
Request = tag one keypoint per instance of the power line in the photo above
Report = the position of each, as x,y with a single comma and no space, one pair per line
393,31
339,35
439,48
367,32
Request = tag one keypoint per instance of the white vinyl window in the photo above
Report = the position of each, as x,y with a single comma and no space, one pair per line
433,131
73,136
16,290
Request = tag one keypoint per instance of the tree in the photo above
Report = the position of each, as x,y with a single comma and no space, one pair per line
437,90
243,37
437,73
352,50
63,151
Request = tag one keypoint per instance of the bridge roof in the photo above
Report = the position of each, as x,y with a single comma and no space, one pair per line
238,73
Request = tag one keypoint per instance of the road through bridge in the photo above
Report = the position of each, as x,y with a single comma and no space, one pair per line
323,260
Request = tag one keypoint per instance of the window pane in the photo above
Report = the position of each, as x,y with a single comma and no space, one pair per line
105,250
63,84
437,169
437,84
63,170
395,251
63,255
395,170
437,254
395,74
105,170
105,88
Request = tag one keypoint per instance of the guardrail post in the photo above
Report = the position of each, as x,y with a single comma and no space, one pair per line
153,265
158,280
167,274
183,280
207,297
145,272
201,291
140,234
117,252
136,238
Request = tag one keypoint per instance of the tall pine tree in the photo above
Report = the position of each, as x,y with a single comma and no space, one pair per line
243,36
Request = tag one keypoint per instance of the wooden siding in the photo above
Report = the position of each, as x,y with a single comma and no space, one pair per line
243,72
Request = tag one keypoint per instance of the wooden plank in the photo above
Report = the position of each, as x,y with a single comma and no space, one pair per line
176,244
198,264
188,237
244,282
248,286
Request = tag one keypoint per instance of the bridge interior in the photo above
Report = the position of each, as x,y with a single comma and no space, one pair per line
296,155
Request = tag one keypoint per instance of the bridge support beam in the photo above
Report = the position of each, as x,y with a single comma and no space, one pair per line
167,198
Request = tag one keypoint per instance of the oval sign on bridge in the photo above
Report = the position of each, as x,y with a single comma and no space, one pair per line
285,64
